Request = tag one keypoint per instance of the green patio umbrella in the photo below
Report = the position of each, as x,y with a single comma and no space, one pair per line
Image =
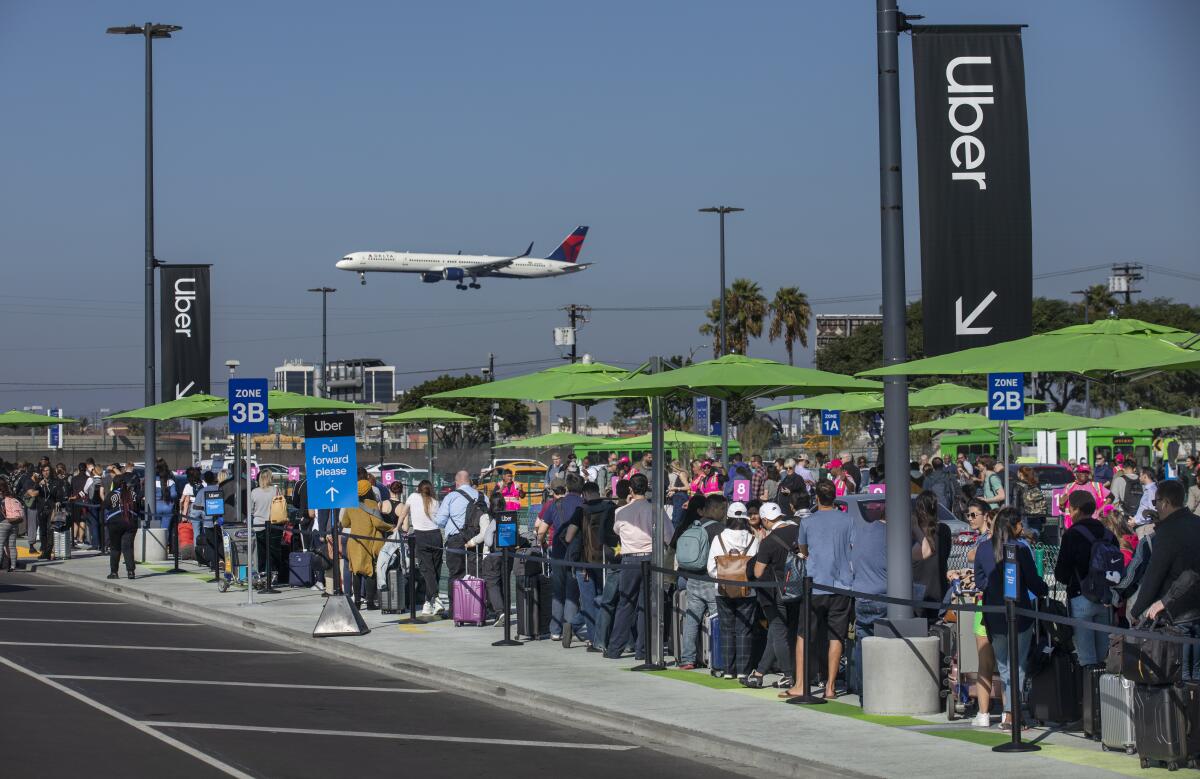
950,395
1056,420
16,418
957,422
1149,419
554,440
197,407
670,437
286,404
1103,347
427,415
549,384
850,402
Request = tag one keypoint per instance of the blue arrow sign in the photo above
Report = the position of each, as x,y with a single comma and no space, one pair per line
248,406
331,461
831,423
1006,396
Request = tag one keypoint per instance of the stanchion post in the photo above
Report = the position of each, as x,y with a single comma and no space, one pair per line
335,533
647,623
412,578
802,678
268,589
506,594
175,525
1012,588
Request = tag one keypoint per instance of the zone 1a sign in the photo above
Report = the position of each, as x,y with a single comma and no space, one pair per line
330,461
831,423
248,406
1006,396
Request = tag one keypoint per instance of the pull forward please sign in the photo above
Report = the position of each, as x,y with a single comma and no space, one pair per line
331,461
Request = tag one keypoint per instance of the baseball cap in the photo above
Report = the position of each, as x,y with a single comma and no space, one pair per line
1120,457
769,511
737,510
1082,468
835,463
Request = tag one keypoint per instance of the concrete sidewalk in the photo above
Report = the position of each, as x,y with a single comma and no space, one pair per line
687,711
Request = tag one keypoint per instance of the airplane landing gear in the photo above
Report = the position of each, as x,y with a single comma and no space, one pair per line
474,285
460,286
362,278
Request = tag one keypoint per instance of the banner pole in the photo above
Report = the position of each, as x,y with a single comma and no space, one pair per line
250,566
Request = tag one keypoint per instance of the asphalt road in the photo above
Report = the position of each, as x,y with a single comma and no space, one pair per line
94,686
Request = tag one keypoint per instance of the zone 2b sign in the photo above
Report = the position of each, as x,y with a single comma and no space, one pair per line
1006,396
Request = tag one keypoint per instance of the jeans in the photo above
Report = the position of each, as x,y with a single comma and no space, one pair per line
737,634
1091,646
429,559
586,581
564,607
630,609
8,541
866,614
606,609
701,601
999,642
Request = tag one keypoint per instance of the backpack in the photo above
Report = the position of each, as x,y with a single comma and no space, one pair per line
120,506
1033,502
13,510
732,565
1133,495
300,496
691,550
1106,567
474,516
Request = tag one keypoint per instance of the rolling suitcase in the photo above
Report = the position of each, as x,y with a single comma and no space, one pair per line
1092,715
1056,694
1165,727
301,568
468,600
534,594
1116,714
393,598
716,658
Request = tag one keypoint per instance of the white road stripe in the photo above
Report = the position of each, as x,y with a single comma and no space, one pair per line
144,728
37,586
393,736
4,600
239,684
103,622
152,648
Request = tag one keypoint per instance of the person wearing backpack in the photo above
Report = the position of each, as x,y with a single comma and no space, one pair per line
458,517
565,520
728,555
121,522
692,548
1089,564
770,564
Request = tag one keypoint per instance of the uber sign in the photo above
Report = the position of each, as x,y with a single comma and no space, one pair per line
973,166
331,461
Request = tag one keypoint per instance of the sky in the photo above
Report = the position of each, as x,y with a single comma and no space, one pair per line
288,134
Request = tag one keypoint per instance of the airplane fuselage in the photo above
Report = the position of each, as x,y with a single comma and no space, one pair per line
448,266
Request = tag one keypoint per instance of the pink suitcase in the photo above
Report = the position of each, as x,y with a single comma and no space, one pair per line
468,597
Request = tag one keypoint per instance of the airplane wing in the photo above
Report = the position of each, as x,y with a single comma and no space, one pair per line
483,270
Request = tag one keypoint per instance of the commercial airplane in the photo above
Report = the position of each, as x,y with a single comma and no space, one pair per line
467,269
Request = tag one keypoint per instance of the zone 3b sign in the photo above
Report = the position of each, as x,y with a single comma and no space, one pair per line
248,406
1006,396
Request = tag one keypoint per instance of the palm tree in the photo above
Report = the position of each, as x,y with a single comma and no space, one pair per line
790,317
745,311
1098,302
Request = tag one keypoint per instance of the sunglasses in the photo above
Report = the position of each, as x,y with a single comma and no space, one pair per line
974,514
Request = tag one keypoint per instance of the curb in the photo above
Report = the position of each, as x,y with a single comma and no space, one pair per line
712,747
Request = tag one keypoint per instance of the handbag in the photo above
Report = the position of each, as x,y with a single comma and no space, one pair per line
1152,660
731,566
279,510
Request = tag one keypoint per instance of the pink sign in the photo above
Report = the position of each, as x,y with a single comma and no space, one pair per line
1056,496
876,489
294,473
741,490
388,477
253,471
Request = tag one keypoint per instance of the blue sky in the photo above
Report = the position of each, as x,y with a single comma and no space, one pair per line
291,133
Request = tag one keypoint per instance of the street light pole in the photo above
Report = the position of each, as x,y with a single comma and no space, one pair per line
722,342
324,337
149,32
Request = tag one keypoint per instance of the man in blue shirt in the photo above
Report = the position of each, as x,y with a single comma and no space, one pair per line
567,511
868,566
452,518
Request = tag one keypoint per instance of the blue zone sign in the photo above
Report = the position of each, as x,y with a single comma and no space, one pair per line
1006,396
331,461
831,423
248,406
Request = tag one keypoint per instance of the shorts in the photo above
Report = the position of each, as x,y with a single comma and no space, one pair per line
980,630
832,611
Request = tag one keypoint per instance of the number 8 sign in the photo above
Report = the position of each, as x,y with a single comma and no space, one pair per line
1006,396
248,406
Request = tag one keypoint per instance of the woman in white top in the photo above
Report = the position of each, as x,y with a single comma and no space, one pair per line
736,615
260,511
422,507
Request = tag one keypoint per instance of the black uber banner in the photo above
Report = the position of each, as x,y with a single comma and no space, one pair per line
973,169
185,330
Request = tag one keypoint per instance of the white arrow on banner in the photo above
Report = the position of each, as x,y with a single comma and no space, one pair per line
332,492
963,326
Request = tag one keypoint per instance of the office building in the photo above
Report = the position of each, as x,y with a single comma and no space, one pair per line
833,326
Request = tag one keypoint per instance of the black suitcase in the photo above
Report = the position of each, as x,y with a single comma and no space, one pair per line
1056,693
394,597
534,596
1166,724
300,569
1091,702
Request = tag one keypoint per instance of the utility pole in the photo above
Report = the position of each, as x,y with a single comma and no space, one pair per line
575,317
1124,276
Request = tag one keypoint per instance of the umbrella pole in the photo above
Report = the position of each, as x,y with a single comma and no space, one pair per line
654,641
1004,460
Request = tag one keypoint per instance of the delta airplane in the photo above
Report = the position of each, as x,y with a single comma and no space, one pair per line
467,269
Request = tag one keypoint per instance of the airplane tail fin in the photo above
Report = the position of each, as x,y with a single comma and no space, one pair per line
568,250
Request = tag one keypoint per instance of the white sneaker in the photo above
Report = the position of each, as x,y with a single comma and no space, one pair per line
981,720
438,606
318,588
427,609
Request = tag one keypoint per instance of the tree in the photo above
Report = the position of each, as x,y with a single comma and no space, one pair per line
513,416
790,317
745,311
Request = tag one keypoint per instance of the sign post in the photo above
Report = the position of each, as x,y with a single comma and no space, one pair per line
1012,594
54,433
1006,403
831,425
331,466
247,416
